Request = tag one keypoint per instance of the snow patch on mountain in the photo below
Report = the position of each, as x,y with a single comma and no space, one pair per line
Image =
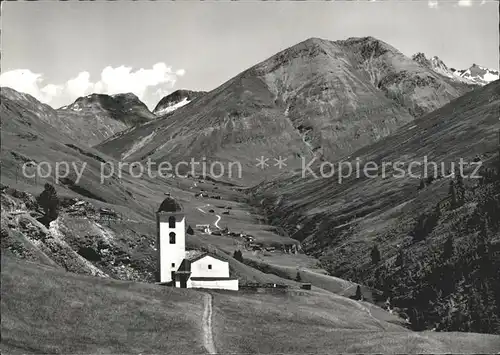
175,100
478,74
172,107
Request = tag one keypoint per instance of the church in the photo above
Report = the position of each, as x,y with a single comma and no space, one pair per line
178,267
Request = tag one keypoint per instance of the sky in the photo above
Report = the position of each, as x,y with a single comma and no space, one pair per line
59,51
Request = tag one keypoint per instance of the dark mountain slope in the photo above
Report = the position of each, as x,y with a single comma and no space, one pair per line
89,120
316,98
27,136
93,118
342,222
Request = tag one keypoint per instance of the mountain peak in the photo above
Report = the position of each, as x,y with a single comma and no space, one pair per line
478,74
175,100
304,97
316,40
475,75
128,95
124,108
421,59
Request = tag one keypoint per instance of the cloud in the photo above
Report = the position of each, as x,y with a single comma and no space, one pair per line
465,3
150,85
432,4
80,85
28,82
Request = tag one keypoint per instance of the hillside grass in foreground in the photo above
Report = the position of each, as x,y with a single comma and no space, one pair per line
301,322
46,310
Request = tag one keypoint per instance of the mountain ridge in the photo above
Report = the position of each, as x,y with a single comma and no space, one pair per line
317,98
474,75
89,119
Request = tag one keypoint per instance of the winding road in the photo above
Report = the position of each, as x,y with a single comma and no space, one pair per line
216,223
208,340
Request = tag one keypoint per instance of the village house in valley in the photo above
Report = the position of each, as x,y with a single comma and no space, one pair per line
186,269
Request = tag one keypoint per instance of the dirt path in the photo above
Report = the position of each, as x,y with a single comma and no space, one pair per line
208,341
201,208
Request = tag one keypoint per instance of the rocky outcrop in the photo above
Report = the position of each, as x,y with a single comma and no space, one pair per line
79,240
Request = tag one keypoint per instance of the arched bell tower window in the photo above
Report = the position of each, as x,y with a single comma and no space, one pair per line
171,222
172,237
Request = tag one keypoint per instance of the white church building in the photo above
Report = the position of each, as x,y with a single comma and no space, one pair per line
178,267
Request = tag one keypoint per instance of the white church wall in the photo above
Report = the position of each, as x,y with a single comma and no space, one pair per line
171,253
214,284
200,268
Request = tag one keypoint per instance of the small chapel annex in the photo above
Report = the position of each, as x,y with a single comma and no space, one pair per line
186,269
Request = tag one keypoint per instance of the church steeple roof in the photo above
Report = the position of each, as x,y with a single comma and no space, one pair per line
170,205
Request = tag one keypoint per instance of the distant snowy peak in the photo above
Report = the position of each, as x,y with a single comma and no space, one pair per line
437,65
478,74
175,100
475,75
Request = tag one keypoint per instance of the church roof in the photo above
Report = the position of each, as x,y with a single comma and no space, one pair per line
195,255
169,204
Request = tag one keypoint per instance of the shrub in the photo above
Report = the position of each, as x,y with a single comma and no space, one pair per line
359,295
49,202
298,278
238,255
375,254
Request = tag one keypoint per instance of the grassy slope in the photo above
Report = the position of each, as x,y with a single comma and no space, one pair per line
51,311
311,322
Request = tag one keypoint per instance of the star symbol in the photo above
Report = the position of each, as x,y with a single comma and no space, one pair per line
280,163
262,162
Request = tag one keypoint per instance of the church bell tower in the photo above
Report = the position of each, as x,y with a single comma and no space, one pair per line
170,239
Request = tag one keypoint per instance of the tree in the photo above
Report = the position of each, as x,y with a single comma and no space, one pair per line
425,224
448,248
298,278
460,189
49,202
498,159
359,295
453,195
190,230
238,255
481,246
375,254
422,184
400,258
